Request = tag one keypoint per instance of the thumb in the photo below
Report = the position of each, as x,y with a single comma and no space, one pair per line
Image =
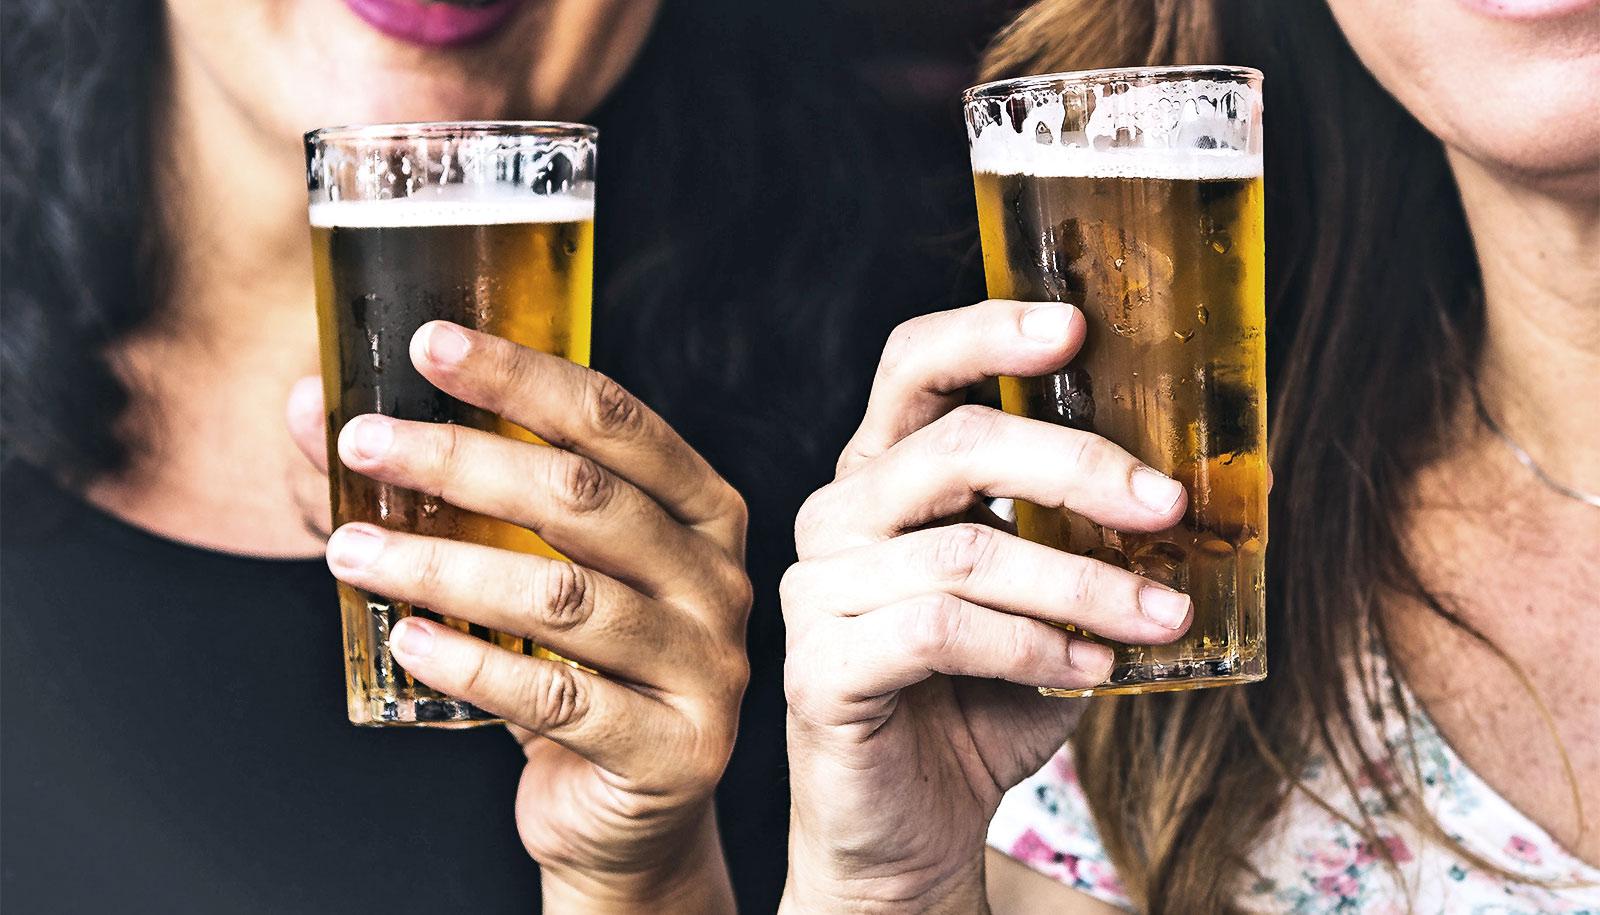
307,422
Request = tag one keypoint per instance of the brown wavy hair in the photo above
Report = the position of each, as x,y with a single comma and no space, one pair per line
1374,313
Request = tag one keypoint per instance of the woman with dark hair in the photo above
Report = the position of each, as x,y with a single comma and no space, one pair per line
1427,738
174,739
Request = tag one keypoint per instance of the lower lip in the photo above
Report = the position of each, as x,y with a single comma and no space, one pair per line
1528,10
433,24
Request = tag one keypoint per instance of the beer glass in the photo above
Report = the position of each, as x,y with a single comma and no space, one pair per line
1136,195
488,225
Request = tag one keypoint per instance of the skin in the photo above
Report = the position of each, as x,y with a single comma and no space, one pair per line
898,632
877,722
615,802
1514,106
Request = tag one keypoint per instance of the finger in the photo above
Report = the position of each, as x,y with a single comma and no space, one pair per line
578,506
930,360
576,612
616,728
581,410
945,468
996,570
872,655
308,422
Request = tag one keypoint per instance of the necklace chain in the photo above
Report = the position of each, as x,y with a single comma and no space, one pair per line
1526,459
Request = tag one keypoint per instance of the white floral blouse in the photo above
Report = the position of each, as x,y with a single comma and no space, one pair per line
1312,862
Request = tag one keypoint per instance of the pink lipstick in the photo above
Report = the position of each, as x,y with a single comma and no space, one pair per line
435,23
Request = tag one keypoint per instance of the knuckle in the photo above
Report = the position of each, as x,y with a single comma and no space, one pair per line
930,626
799,690
447,456
736,507
731,667
792,589
963,430
1086,453
429,569
556,697
810,522
1080,580
612,410
813,679
1027,651
566,599
579,484
959,552
475,677
851,457
898,348
736,590
502,367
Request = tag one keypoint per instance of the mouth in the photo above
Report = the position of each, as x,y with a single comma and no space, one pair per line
435,23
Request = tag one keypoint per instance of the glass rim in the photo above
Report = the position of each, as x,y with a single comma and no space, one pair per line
419,130
1002,88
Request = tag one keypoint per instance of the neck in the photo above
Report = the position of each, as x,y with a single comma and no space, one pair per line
214,463
1540,258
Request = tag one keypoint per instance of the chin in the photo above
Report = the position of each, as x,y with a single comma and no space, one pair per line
289,66
1509,89
1540,124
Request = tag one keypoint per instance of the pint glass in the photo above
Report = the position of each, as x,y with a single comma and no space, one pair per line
1136,195
488,225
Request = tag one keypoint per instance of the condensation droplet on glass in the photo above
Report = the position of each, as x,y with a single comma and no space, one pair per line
1202,314
1184,335
1221,242
1119,262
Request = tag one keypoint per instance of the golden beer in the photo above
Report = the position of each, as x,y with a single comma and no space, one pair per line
1163,250
496,257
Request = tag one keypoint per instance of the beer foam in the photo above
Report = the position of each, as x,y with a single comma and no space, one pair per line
451,210
1195,130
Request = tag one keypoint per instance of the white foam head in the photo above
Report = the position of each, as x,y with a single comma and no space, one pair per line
1190,130
453,209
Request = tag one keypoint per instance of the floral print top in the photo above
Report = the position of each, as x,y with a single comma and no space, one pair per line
1313,862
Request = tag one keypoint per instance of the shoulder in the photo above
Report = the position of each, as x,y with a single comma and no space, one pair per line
1045,823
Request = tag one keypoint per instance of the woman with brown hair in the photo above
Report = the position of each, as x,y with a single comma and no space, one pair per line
1426,740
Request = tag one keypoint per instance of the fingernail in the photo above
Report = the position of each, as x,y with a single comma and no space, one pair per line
445,344
355,546
1168,608
1047,323
1156,490
372,437
411,638
1090,657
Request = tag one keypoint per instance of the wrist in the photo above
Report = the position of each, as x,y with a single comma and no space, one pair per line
822,887
964,896
692,879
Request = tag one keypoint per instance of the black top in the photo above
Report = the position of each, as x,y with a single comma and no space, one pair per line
174,740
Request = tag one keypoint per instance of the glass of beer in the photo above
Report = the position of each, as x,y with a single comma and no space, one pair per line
1136,195
488,225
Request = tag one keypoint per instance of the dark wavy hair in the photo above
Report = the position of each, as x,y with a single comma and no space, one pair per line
79,81
756,241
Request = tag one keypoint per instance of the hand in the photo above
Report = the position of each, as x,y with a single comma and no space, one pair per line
900,624
615,802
